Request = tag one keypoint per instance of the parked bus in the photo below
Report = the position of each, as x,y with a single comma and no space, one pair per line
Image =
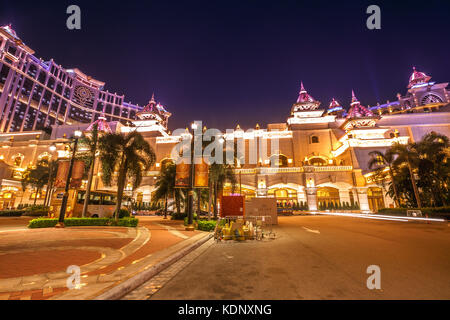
101,204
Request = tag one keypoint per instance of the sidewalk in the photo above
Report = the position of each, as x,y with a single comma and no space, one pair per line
33,262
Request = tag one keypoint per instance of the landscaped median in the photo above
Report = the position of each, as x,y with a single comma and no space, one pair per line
202,224
79,222
438,212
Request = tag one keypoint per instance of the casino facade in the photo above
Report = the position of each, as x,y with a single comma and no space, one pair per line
321,155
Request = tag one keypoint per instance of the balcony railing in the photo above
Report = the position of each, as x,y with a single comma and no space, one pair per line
269,170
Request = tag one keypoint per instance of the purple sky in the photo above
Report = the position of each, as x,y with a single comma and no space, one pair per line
229,62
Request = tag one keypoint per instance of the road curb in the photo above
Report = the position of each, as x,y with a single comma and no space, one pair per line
130,284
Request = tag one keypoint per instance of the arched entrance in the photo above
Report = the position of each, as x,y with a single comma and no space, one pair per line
327,195
286,197
317,161
375,197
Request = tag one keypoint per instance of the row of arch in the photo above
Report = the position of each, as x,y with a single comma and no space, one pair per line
281,160
288,196
17,159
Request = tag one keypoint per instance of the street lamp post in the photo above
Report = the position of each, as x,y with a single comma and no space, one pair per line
62,212
190,226
52,149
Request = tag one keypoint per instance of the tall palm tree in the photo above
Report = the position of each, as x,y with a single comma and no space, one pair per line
52,171
218,175
37,177
91,142
385,160
127,154
406,154
165,186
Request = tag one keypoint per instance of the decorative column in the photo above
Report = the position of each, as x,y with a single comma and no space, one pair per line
311,190
311,197
362,198
261,190
301,195
344,196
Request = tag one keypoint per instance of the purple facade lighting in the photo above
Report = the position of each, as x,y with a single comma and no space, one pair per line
36,94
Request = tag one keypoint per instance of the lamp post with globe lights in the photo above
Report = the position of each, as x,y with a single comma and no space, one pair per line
190,225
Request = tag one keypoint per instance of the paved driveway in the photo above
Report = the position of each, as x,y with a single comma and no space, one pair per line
322,257
33,262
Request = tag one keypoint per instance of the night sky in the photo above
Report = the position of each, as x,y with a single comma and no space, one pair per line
230,62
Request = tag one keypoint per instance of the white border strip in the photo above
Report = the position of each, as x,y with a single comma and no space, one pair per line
380,217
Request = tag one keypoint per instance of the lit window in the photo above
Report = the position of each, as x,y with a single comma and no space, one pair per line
380,160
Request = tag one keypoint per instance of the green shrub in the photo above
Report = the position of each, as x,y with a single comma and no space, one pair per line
11,213
42,223
195,218
124,213
206,225
79,222
128,222
36,211
178,216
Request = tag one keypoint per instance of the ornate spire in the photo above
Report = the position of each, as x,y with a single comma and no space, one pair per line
354,99
417,78
334,104
8,28
154,111
102,125
304,101
335,108
303,95
302,88
151,104
357,110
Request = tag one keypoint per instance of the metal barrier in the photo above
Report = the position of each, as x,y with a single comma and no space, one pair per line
241,228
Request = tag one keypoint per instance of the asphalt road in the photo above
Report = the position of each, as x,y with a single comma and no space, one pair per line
322,257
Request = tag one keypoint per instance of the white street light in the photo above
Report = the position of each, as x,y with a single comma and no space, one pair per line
77,133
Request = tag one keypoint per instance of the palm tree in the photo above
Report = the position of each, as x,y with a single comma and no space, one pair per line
52,171
165,185
91,143
37,177
386,160
218,175
406,154
25,183
127,154
433,167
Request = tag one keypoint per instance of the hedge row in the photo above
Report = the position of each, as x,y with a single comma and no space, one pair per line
36,213
206,225
440,212
31,211
202,223
11,213
78,222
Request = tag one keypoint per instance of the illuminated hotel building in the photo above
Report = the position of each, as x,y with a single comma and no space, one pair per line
322,154
36,94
